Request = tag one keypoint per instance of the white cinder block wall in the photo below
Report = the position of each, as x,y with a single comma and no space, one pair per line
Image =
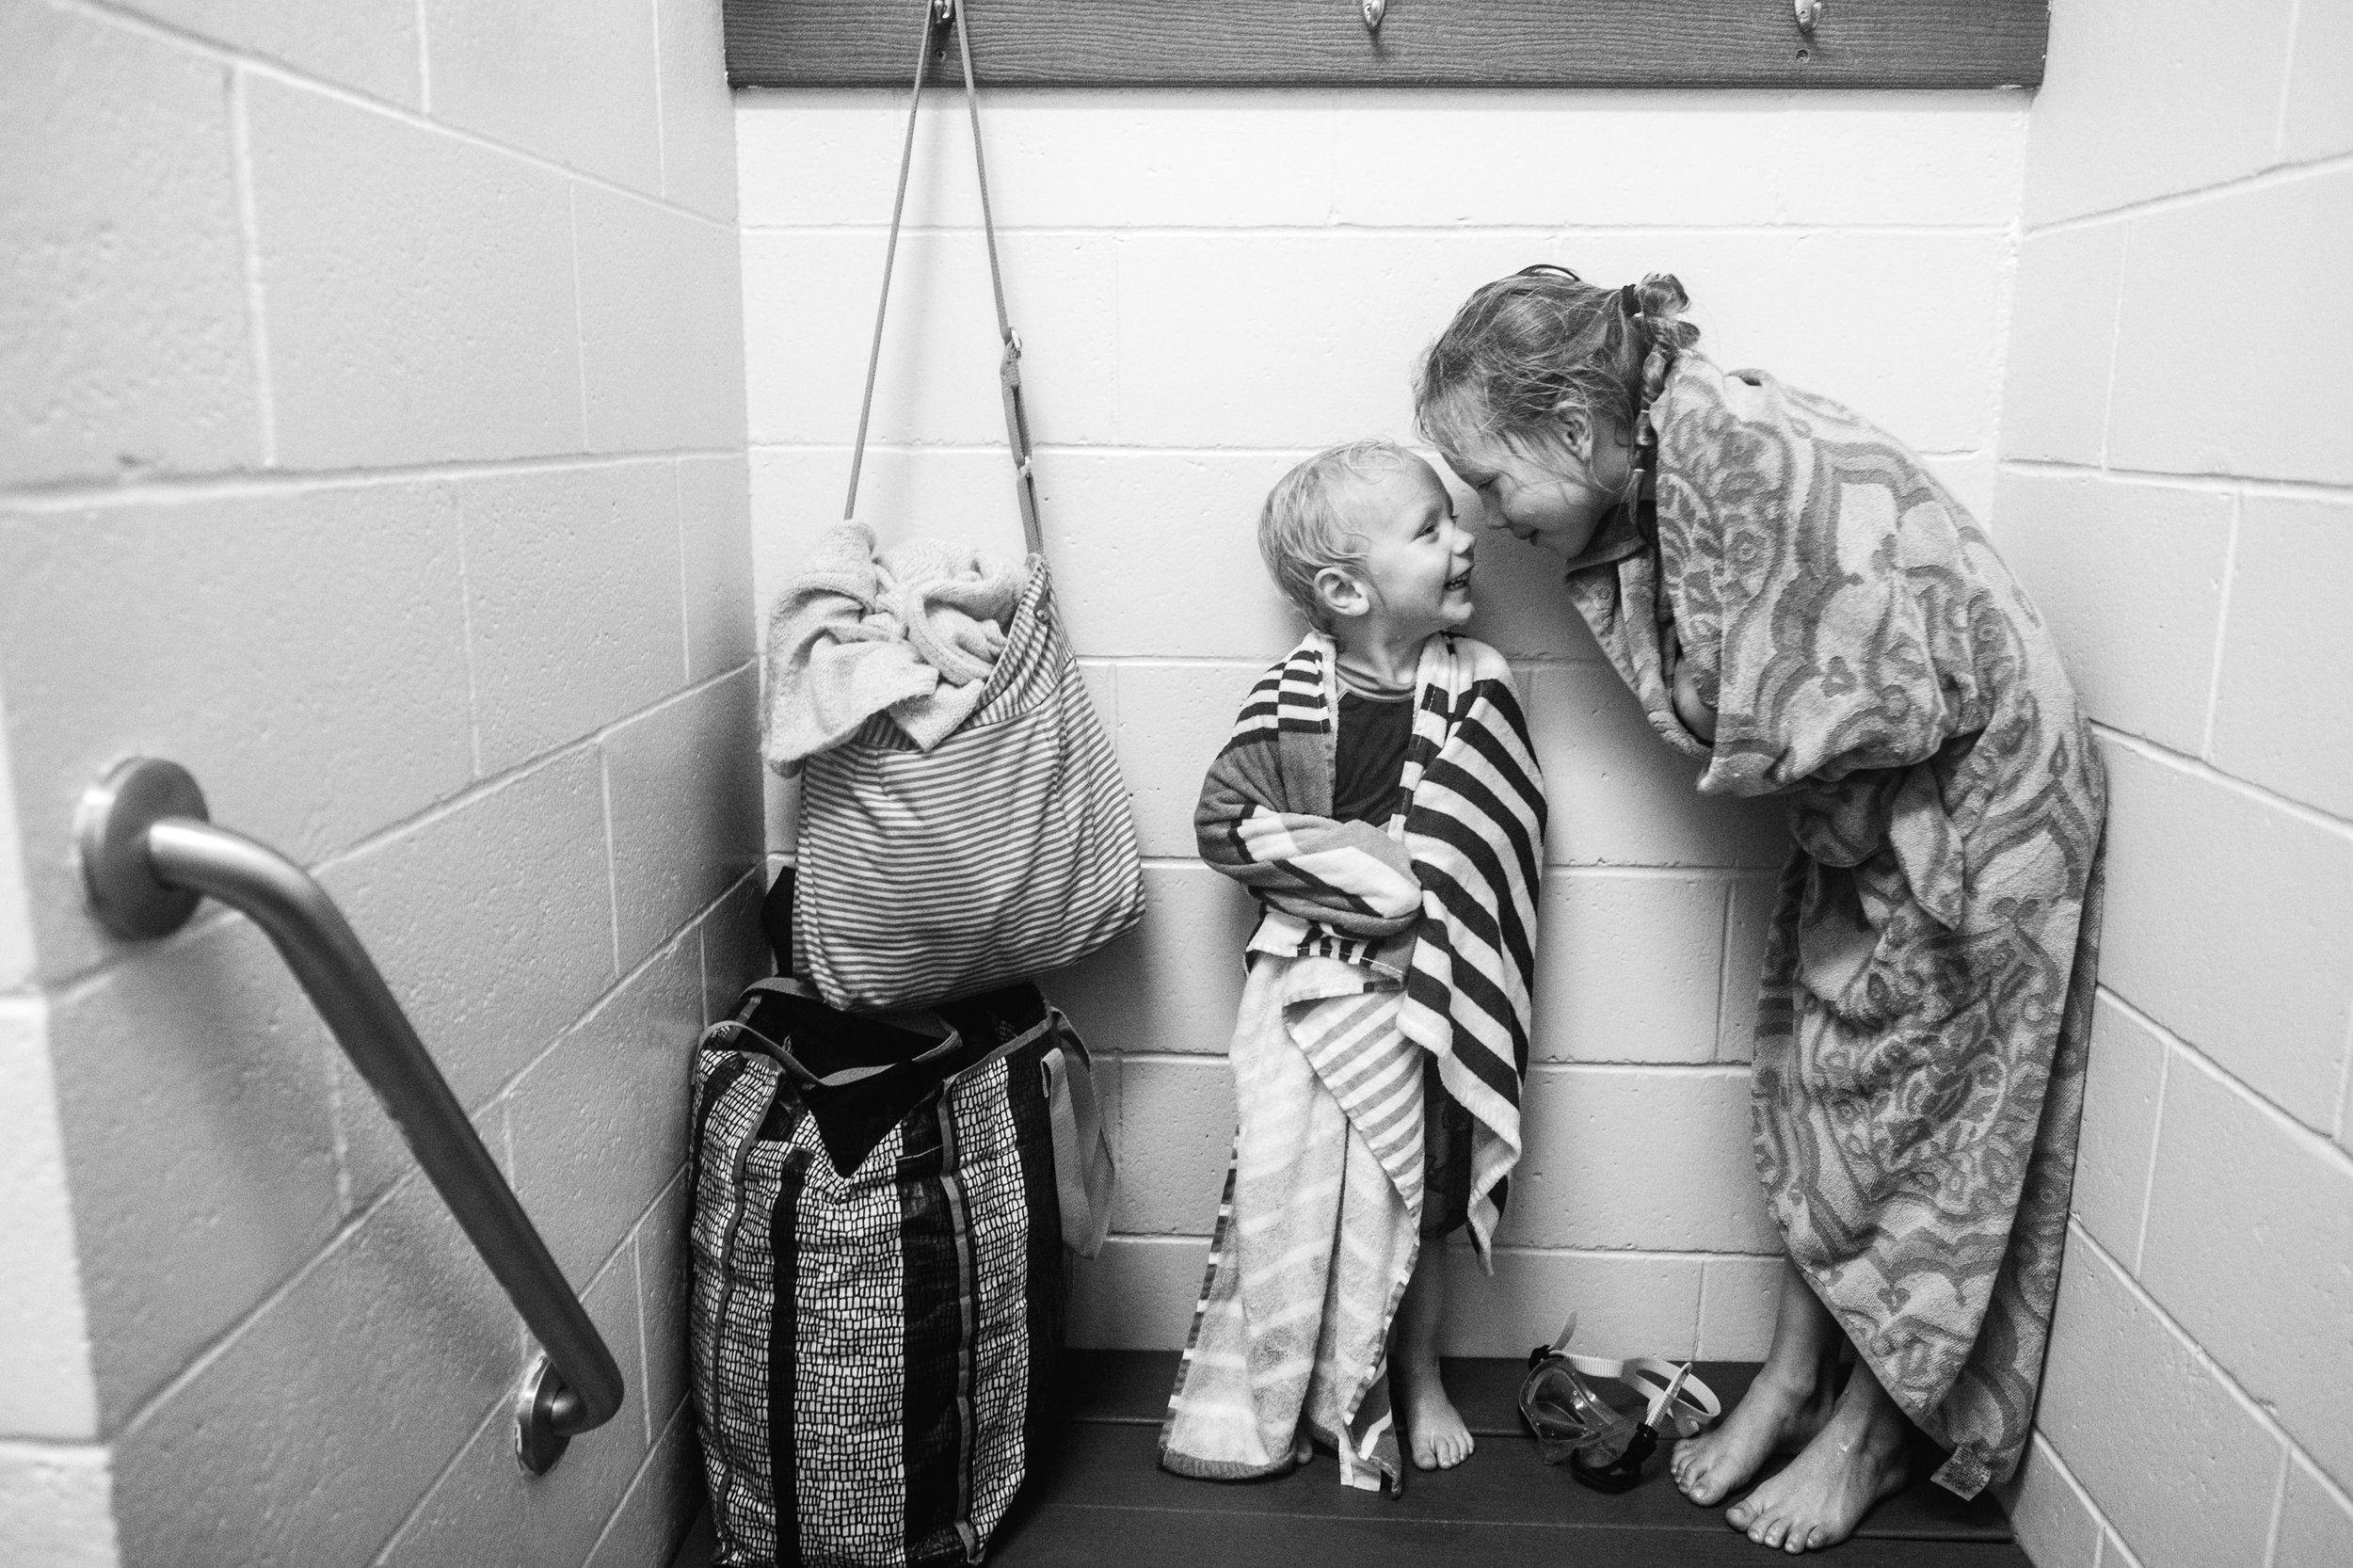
370,442
2177,491
1211,286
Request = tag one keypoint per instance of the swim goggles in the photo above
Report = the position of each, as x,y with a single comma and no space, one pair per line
1605,1447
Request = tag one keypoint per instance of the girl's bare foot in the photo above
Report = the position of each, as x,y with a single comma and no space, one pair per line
1434,1428
1853,1461
1777,1413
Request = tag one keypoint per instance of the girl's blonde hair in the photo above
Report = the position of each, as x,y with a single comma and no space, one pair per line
1523,345
1302,528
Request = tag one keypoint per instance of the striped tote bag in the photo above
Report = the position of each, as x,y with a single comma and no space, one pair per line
1003,852
873,1346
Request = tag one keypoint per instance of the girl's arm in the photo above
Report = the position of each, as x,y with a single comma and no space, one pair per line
1697,717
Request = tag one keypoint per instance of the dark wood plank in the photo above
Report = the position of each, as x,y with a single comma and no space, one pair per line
1752,43
1067,1536
1115,1465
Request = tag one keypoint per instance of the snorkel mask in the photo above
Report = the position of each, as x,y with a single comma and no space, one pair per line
1604,1446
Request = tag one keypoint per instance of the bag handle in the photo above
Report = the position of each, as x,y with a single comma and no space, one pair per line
937,14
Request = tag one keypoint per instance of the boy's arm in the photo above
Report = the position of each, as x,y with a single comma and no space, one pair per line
1349,875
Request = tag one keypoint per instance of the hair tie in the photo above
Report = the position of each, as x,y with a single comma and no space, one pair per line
1630,300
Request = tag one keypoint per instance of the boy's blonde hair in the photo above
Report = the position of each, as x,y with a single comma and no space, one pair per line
1305,529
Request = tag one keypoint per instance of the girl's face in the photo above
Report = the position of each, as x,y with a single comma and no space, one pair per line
1555,499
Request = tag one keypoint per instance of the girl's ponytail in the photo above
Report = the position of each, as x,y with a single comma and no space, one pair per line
1666,334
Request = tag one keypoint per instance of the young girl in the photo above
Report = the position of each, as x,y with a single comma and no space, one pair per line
1802,609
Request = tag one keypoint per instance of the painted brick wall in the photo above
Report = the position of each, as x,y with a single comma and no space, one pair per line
2177,491
1212,284
372,443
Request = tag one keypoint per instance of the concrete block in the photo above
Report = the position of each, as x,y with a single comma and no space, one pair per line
1056,159
2226,923
2315,1521
2250,1228
2171,411
1155,553
1748,927
1621,797
1625,1303
479,1511
2190,87
2120,1129
2129,580
369,45
315,1428
660,326
1739,1300
1176,1139
735,948
697,110
492,922
1174,719
575,84
45,1389
125,311
2063,344
809,325
964,495
194,1101
2284,700
1627,968
2319,121
679,783
660,1505
715,538
1969,479
423,314
663,1280
1249,339
309,713
2054,1523
1137,1295
1648,1158
573,599
600,1122
2167,1454
1175,984
1899,157
56,1506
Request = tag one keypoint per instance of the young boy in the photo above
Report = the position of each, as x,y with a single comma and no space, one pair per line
1380,798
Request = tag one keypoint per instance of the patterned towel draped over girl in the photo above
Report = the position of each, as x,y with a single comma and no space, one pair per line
1927,999
1378,951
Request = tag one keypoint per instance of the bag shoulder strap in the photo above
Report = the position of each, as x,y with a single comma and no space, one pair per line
955,15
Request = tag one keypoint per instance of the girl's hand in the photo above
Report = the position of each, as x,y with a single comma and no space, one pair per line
1697,717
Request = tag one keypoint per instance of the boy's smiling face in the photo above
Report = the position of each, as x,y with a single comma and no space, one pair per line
1414,576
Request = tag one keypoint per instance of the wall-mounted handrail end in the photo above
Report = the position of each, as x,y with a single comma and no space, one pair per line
546,1412
110,826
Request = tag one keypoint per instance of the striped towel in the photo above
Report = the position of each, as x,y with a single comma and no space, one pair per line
1315,1241
1444,901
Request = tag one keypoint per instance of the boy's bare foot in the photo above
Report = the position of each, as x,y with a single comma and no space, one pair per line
1776,1414
1434,1428
1856,1460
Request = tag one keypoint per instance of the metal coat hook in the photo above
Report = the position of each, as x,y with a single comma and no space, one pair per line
1809,12
1374,10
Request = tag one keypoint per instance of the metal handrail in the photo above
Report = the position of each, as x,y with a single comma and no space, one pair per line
149,851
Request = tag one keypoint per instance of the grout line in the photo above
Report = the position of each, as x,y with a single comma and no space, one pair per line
579,312
685,614
2310,816
384,1552
645,1345
284,74
2116,337
249,226
612,856
2279,1504
2221,630
661,119
79,494
2282,174
1113,232
465,615
2037,1437
2287,81
2156,1134
2247,485
1128,449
